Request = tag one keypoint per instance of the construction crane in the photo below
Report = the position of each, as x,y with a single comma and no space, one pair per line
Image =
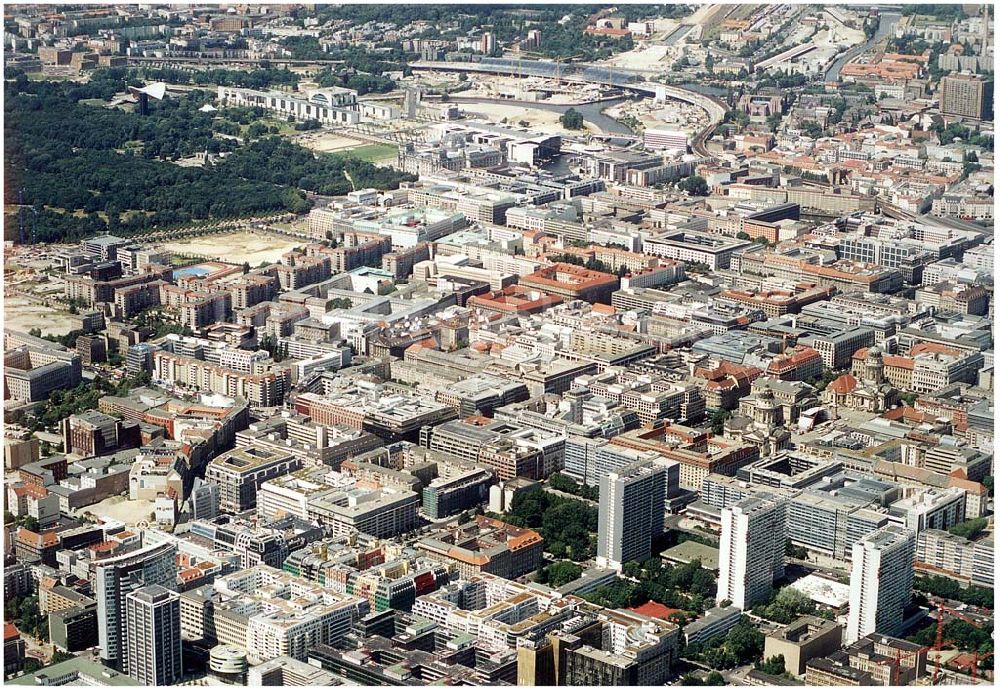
939,642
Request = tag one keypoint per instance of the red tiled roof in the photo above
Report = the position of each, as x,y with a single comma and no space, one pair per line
39,540
190,574
655,610
9,631
103,546
844,384
928,347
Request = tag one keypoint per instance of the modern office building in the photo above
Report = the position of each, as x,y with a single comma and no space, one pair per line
933,508
881,582
117,577
240,473
955,557
34,369
752,549
139,358
287,615
693,246
967,96
632,508
451,495
837,349
383,512
153,626
654,139
329,106
74,628
803,639
716,622
285,671
204,500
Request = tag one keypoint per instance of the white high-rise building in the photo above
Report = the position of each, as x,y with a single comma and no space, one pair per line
153,624
881,582
752,549
633,505
114,579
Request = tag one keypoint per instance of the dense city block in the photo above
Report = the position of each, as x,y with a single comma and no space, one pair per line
543,345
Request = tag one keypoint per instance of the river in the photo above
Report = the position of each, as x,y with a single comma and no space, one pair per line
717,92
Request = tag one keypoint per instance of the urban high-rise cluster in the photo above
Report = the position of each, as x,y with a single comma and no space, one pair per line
577,345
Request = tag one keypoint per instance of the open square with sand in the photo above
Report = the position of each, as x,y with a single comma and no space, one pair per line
23,315
235,248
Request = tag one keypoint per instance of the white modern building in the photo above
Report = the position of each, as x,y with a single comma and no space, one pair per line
881,582
632,508
287,615
933,508
751,549
659,139
331,106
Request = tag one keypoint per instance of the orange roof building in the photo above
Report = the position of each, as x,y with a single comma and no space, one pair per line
514,300
796,364
572,282
655,610
486,545
10,631
886,70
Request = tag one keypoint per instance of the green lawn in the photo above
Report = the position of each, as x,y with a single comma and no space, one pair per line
371,152
284,127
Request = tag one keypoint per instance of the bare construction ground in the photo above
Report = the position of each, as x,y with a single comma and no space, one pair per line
129,512
237,248
537,119
21,314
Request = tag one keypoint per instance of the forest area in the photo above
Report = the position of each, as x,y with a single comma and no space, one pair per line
85,169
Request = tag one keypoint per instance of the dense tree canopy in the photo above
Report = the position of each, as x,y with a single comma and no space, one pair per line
267,78
951,589
565,484
786,605
694,185
961,634
81,169
970,529
743,644
713,679
568,526
64,403
276,160
572,119
775,665
559,573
